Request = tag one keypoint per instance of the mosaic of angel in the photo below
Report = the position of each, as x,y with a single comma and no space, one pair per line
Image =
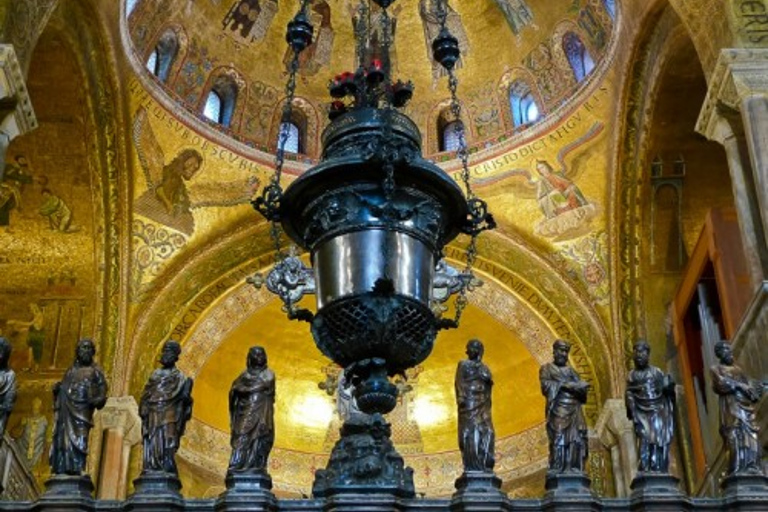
566,211
169,199
431,23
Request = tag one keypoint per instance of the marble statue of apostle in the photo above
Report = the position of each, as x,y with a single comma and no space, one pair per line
650,400
165,408
473,397
251,413
565,394
82,390
738,399
7,385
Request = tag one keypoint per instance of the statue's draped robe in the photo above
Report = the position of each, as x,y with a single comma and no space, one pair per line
82,390
251,406
166,406
565,420
738,424
476,435
652,408
7,396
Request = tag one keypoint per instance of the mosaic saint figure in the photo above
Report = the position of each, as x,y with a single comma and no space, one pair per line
473,397
738,400
170,198
252,414
57,212
7,385
517,13
12,181
318,54
565,394
82,390
35,336
32,440
430,21
650,401
165,408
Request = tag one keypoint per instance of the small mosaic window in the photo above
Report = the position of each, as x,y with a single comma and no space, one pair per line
130,5
578,56
212,109
293,140
523,104
450,137
610,6
152,62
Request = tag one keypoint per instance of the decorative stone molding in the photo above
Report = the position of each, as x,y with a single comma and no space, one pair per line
739,73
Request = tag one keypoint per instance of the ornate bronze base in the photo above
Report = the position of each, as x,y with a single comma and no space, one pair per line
566,486
247,492
156,491
478,491
364,461
65,493
746,491
657,492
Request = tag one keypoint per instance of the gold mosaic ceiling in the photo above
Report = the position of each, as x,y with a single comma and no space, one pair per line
501,40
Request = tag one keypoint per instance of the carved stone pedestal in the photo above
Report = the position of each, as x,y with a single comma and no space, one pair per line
569,492
247,492
746,492
67,492
364,461
155,492
658,492
478,491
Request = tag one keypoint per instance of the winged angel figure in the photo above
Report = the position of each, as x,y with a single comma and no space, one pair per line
169,200
565,208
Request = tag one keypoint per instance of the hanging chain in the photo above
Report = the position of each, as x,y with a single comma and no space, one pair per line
268,204
478,219
388,147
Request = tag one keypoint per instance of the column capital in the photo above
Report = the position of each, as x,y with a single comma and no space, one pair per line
16,114
738,74
122,413
612,422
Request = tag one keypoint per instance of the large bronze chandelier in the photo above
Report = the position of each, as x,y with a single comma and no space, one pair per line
374,216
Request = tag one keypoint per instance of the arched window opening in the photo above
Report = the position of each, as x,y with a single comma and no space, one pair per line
610,6
165,53
293,138
449,138
152,62
220,102
130,5
523,105
212,109
578,56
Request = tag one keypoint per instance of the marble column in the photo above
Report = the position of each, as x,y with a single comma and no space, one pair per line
616,433
121,427
16,114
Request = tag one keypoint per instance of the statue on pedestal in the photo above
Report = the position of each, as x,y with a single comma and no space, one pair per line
7,385
251,413
650,400
738,425
165,408
565,393
473,397
82,390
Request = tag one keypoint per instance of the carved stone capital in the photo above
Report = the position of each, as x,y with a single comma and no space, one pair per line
121,413
738,74
613,423
16,114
